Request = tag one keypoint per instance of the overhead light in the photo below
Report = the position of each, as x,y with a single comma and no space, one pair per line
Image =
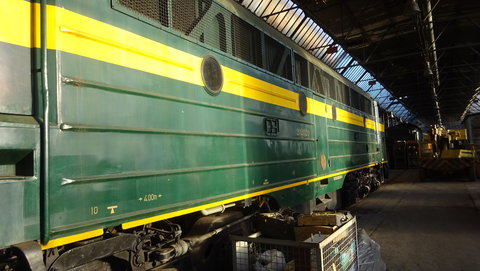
331,50
428,72
412,7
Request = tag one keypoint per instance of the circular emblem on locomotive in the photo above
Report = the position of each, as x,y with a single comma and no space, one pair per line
212,75
323,161
302,103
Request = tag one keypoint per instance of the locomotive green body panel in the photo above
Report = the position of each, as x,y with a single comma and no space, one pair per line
190,141
19,179
134,137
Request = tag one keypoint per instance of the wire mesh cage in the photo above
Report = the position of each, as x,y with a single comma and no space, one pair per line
336,252
203,20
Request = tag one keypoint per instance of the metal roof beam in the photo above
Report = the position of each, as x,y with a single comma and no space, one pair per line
388,75
475,51
357,22
349,63
302,23
467,64
474,22
458,46
284,16
449,19
456,78
359,78
265,9
388,26
377,89
319,37
404,115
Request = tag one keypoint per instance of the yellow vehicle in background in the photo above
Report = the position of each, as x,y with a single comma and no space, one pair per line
446,152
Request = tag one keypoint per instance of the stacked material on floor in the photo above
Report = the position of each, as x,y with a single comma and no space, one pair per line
320,223
320,241
369,257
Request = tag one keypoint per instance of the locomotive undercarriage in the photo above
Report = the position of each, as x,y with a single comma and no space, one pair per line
358,184
156,246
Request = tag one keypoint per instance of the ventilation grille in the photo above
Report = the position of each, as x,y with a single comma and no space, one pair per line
203,20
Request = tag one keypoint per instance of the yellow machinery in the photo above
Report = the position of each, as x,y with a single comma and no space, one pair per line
446,152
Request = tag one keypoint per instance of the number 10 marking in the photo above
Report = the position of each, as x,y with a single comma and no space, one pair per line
94,210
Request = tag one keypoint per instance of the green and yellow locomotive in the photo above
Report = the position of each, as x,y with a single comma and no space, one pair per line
119,115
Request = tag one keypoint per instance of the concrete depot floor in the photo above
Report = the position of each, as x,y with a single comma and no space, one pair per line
430,225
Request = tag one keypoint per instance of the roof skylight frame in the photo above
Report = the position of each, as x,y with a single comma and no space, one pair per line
288,18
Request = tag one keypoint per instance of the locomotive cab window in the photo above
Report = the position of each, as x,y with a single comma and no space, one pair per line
362,103
355,99
301,71
278,58
342,92
346,94
316,79
327,81
367,105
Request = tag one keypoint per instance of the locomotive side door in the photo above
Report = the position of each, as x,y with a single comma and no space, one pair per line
19,131
321,114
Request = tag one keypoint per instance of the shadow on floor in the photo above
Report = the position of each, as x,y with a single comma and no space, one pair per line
432,225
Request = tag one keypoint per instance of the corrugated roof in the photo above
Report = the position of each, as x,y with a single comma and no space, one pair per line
288,18
426,50
473,106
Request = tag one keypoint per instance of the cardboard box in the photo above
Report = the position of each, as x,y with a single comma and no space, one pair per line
322,219
272,226
302,233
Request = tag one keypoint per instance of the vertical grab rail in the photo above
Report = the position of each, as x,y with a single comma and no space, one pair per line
44,185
